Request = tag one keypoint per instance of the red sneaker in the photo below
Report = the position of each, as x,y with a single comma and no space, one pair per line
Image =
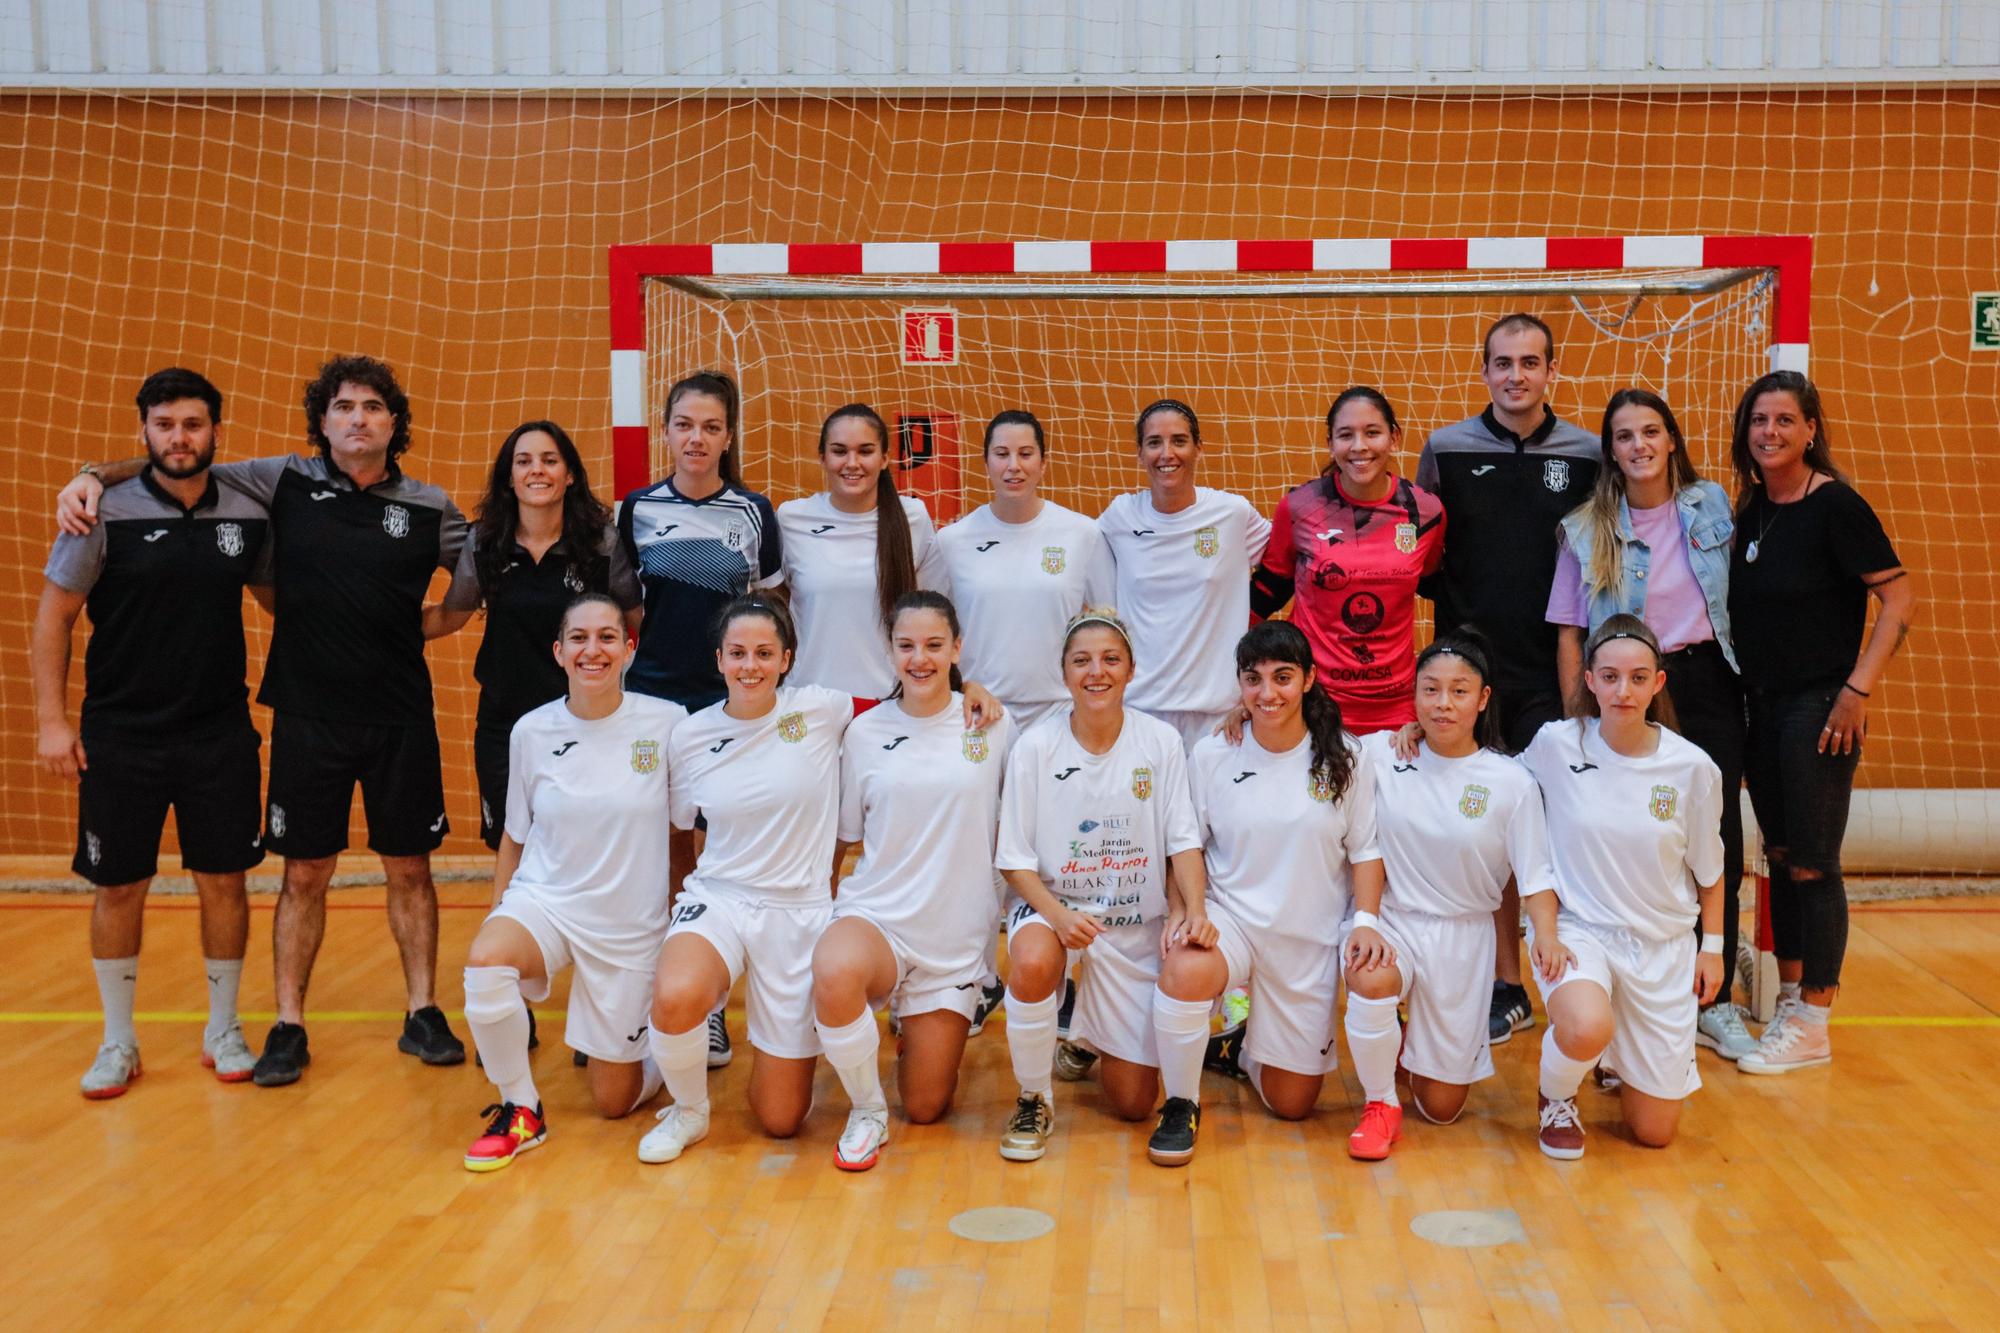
1562,1128
514,1130
1381,1125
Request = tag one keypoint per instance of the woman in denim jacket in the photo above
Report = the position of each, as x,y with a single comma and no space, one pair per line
1654,541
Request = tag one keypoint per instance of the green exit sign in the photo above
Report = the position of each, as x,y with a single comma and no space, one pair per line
1986,321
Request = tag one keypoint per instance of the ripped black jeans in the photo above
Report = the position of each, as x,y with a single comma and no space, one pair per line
1801,798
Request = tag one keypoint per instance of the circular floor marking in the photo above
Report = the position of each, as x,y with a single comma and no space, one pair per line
1001,1224
1468,1230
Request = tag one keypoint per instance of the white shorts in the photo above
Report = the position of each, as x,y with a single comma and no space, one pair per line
773,942
1653,1008
920,989
1114,987
1192,725
610,1005
1292,984
1443,961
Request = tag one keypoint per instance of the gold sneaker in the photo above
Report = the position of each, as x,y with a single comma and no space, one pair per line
1028,1130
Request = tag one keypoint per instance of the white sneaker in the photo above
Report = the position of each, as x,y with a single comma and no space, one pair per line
1790,1044
229,1055
861,1142
678,1130
111,1072
1720,1028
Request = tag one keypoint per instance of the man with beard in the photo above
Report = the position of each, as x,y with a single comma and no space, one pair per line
166,717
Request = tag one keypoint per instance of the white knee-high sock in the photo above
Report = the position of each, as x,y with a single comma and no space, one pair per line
851,1049
1373,1040
224,976
1562,1074
683,1061
117,985
1180,1029
498,1018
1031,1041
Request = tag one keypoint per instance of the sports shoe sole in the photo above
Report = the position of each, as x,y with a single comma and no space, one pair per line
1023,1154
861,1164
1560,1154
436,1058
1381,1156
106,1094
482,1165
282,1080
1514,1025
1708,1043
1162,1157
1790,1066
240,1076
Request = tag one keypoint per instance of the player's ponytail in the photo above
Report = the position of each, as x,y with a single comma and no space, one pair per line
1471,647
923,599
895,558
1282,641
714,384
1621,626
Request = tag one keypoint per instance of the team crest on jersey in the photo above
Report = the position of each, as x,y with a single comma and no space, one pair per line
1207,541
973,747
735,538
1142,783
1319,786
645,756
1406,537
1555,474
277,821
396,521
572,580
93,850
1665,800
1472,801
229,538
1052,559
792,727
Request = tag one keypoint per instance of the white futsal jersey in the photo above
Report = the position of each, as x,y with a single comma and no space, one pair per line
1452,830
922,796
1184,593
1278,845
830,569
1016,586
588,801
1631,839
770,790
1098,828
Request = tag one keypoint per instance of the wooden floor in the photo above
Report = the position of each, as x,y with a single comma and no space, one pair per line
1861,1195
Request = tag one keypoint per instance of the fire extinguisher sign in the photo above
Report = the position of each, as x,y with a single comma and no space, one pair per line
930,336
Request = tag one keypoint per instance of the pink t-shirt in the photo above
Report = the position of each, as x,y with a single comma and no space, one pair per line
1673,608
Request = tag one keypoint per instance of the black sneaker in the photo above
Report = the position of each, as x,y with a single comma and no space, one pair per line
719,1053
428,1037
579,1059
285,1056
1509,1014
534,1041
1172,1143
990,996
1225,1052
1067,1011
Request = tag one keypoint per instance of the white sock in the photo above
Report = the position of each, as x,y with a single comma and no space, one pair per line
1815,1015
650,1084
1180,1028
1373,1040
682,1058
851,1050
1789,990
1031,1041
224,974
1562,1075
498,1017
117,985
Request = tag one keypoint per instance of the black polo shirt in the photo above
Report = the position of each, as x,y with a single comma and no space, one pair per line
350,568
1503,496
516,666
164,592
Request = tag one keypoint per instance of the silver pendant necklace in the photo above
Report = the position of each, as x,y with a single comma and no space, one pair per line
1764,526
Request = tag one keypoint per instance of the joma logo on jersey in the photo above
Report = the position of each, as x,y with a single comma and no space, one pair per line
396,521
1052,559
792,728
229,538
973,747
1472,801
1555,474
645,756
1207,541
1665,801
1142,782
1319,787
1406,537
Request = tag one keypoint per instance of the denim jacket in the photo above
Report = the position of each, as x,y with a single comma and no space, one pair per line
1709,524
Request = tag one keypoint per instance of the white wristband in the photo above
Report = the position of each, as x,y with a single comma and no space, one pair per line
1367,919
1712,944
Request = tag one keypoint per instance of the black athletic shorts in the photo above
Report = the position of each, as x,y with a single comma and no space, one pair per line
122,801
314,766
1525,712
489,765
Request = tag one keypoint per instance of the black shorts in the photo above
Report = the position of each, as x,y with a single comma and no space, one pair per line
1523,712
314,766
123,797
489,765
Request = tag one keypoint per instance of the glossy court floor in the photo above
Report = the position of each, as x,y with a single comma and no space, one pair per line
1865,1194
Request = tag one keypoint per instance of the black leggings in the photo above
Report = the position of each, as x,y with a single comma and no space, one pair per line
1708,698
1801,798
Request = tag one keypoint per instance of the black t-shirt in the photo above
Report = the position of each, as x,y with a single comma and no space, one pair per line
164,592
516,668
1798,610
